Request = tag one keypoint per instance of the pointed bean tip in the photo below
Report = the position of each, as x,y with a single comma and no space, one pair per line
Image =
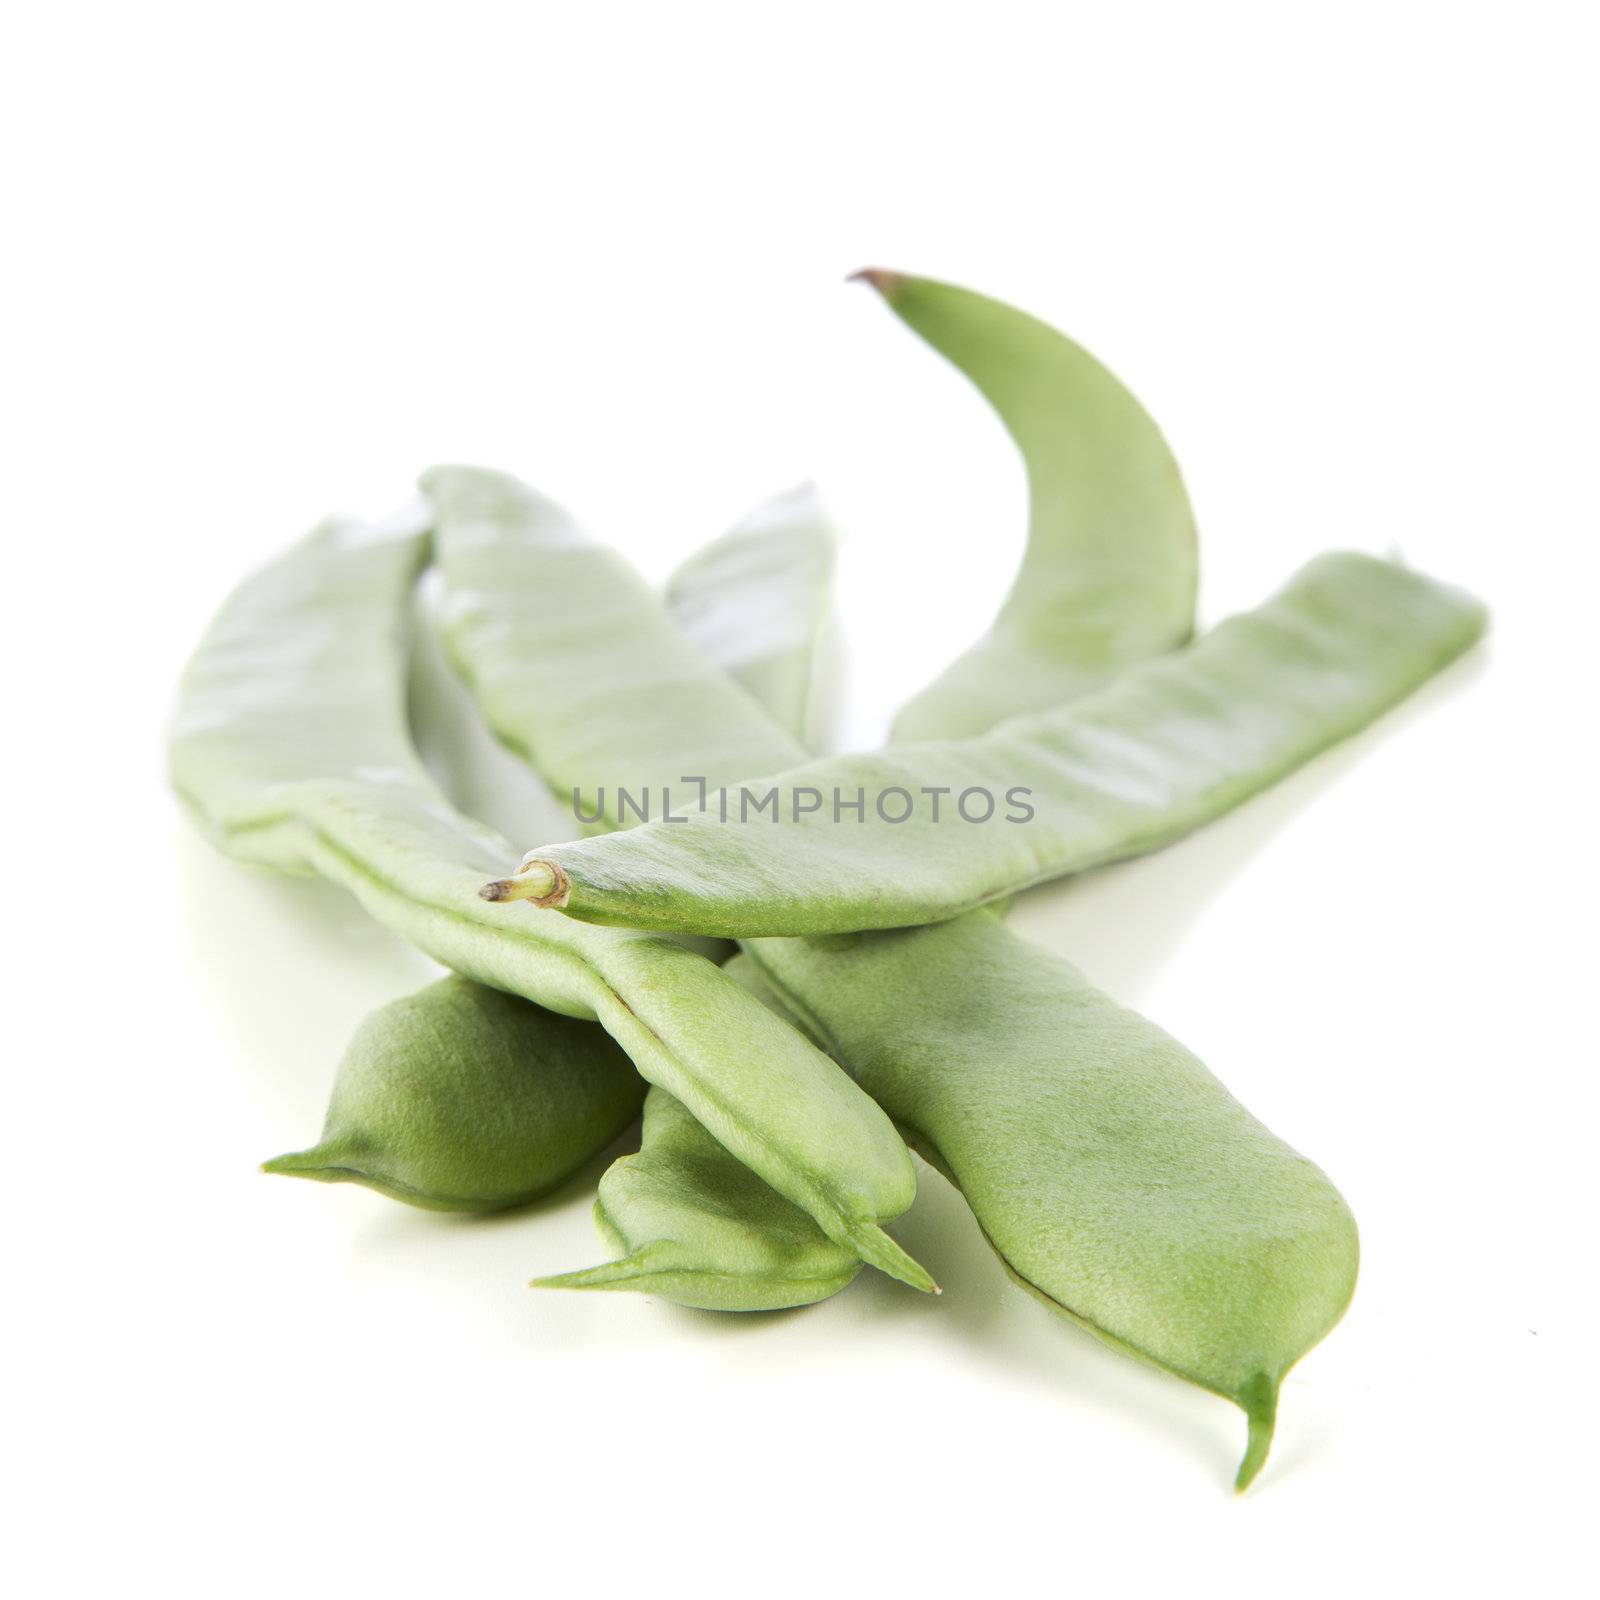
1259,1402
608,1275
879,1250
294,1164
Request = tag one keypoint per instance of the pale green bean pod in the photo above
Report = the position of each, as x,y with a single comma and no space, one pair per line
1108,577
1117,1179
754,601
509,548
290,747
1169,745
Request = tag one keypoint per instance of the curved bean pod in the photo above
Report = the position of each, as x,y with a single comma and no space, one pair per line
1108,577
1117,1179
291,750
462,1098
1171,744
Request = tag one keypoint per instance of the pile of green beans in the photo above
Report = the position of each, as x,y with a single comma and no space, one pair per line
877,1001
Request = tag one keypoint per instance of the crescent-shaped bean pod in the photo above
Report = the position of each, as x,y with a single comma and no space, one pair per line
1108,574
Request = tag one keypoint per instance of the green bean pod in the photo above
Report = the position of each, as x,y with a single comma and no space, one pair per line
1118,1180
502,547
1171,744
462,1098
291,750
753,601
692,1223
1108,577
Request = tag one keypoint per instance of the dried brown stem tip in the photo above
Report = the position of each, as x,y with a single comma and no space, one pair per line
542,882
881,279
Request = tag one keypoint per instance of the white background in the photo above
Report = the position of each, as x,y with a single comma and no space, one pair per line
266,262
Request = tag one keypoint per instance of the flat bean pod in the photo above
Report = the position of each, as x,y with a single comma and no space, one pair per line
1171,744
291,750
508,552
753,601
1118,1180
1108,577
462,1098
